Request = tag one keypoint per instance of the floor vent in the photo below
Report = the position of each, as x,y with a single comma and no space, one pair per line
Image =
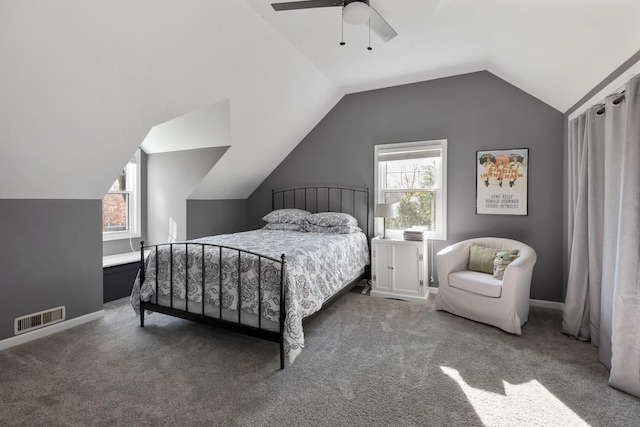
38,320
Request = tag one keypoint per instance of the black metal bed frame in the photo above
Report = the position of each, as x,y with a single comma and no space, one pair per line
288,198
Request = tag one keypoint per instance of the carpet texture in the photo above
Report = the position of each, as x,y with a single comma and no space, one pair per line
367,362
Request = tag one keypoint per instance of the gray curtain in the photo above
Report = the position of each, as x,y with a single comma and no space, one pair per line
602,304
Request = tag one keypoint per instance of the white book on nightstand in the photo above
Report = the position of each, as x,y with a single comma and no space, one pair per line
416,234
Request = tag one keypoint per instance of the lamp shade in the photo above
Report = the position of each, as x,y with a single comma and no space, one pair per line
356,13
385,210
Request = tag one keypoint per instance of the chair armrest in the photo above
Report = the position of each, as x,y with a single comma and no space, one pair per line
517,276
451,259
527,259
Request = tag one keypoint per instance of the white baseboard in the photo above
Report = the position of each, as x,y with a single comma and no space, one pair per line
546,304
532,302
50,330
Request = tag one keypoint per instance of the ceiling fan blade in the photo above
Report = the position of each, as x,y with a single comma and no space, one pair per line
381,27
308,4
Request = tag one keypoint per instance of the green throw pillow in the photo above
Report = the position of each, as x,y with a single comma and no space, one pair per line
481,259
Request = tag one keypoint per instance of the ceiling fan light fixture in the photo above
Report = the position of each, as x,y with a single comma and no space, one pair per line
356,13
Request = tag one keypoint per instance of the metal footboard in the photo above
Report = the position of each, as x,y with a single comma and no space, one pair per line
202,316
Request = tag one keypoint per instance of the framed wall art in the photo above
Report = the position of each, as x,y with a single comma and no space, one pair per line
502,181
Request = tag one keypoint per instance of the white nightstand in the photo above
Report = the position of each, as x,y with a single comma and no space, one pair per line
399,269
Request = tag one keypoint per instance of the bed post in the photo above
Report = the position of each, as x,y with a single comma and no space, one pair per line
368,211
369,237
283,312
141,281
141,262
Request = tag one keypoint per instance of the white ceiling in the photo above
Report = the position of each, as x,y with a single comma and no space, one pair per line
556,50
82,82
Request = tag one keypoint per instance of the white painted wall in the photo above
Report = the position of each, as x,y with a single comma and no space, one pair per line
206,127
83,81
171,177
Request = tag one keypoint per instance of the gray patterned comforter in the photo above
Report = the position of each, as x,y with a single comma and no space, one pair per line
317,266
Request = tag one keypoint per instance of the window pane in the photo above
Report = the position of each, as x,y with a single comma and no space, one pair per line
411,174
413,210
115,208
120,184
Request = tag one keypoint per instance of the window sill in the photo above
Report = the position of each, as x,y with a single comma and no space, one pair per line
119,235
398,236
120,259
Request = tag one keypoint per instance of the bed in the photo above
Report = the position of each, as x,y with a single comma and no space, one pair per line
306,255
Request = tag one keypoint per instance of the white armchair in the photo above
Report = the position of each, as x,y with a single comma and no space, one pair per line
479,296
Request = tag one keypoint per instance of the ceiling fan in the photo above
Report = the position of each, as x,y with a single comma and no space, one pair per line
353,12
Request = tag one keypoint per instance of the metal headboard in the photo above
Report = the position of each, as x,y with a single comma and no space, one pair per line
324,198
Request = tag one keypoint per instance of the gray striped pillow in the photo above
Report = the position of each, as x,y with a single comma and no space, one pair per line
481,259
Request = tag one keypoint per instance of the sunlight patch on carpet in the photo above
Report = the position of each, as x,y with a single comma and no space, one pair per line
528,403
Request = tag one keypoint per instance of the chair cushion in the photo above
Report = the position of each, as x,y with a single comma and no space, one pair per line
481,259
478,283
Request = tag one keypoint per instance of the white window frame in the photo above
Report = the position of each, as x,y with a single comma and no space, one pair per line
134,217
440,188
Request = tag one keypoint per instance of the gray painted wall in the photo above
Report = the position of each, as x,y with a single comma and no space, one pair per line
122,246
211,217
473,112
51,255
171,177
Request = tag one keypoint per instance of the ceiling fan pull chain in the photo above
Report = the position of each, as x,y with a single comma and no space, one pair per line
369,47
342,43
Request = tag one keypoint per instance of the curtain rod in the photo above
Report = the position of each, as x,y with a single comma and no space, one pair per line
618,100
613,86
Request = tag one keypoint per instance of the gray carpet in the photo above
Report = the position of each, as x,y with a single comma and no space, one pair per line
367,362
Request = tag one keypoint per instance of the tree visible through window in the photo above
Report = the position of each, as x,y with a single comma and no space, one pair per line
412,176
120,204
115,205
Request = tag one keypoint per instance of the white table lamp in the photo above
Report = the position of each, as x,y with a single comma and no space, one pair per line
384,211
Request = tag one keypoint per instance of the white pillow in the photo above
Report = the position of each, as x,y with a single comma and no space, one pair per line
286,216
336,229
332,219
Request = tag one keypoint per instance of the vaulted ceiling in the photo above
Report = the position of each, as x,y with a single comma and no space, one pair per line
556,50
82,82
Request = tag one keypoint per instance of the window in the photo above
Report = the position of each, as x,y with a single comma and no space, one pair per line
121,204
413,176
